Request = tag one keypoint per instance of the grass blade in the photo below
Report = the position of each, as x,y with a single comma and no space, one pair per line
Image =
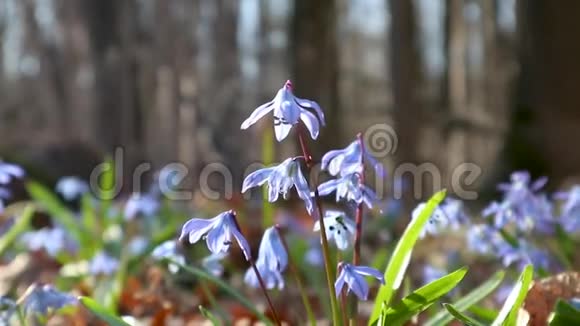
401,255
461,317
443,317
103,314
509,312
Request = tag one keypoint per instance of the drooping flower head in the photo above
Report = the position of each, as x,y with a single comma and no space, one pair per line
281,179
271,262
288,111
354,278
217,232
349,187
271,278
339,228
71,187
349,160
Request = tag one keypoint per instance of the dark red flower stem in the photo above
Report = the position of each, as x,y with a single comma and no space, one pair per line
259,276
359,209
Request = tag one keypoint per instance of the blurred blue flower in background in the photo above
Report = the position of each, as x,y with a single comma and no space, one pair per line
354,278
432,273
570,215
42,300
288,110
52,240
169,250
213,263
103,264
141,204
71,188
281,179
10,171
450,214
218,232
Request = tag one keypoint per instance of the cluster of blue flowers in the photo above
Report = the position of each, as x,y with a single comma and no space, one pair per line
510,225
346,164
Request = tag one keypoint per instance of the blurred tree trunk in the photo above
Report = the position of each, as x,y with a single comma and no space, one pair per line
315,62
405,71
546,111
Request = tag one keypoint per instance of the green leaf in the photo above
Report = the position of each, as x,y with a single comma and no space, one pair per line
20,226
443,317
487,314
565,314
207,314
225,286
509,312
401,255
422,298
49,202
461,317
103,314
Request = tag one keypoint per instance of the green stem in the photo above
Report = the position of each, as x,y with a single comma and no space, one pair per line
329,268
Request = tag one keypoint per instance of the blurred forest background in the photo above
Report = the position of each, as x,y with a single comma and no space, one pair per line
496,83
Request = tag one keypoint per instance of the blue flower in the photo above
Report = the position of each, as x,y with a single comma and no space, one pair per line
9,171
349,187
354,278
431,273
213,263
218,233
520,187
449,214
52,240
339,228
349,160
103,264
281,179
570,216
42,300
272,252
288,110
169,250
141,204
71,188
271,278
271,262
313,255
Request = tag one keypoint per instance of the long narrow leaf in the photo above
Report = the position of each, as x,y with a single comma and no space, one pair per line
20,226
443,317
101,312
422,298
565,314
509,312
461,317
401,255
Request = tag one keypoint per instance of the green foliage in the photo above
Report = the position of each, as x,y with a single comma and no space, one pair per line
443,317
565,314
20,226
509,312
461,317
102,313
421,299
399,260
209,315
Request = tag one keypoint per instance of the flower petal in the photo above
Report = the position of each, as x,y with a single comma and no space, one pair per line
303,189
328,157
258,113
339,283
327,187
282,130
369,271
242,242
195,228
311,105
219,237
256,178
357,284
311,123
